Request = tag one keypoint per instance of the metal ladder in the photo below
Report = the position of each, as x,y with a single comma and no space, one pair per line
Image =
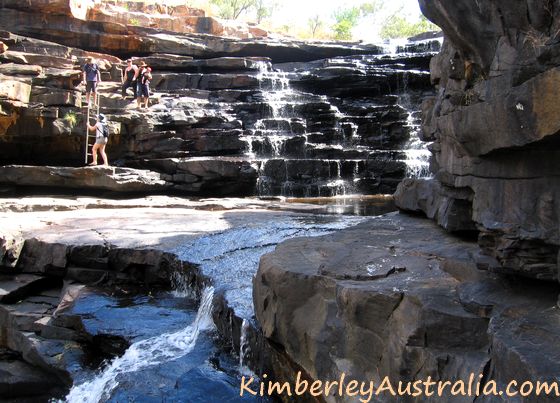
95,108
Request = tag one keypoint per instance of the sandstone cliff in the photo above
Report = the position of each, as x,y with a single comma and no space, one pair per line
495,124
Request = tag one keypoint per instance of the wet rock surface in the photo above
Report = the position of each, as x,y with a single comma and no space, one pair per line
115,179
397,296
21,379
505,184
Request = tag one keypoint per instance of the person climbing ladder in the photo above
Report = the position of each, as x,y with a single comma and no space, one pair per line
101,138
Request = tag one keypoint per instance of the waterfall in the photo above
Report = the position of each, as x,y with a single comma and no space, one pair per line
276,89
146,353
180,285
244,347
415,150
338,126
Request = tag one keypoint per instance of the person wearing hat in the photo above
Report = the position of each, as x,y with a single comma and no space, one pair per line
101,139
144,76
129,78
92,77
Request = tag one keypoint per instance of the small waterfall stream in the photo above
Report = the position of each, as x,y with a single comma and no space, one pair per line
417,154
146,353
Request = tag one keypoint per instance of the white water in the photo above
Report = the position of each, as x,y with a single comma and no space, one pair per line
273,140
280,93
418,163
244,347
146,353
180,285
417,153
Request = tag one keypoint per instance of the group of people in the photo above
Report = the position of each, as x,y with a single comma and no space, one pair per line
137,77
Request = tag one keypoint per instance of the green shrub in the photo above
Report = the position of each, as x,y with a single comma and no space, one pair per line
71,118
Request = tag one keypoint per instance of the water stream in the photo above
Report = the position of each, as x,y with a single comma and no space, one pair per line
150,352
175,354
304,144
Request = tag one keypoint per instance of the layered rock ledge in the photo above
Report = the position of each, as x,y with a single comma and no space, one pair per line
54,252
399,297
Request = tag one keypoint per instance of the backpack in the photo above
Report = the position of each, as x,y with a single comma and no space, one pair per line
145,76
105,130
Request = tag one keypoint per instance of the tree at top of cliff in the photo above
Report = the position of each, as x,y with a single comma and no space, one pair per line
398,26
233,9
390,20
345,20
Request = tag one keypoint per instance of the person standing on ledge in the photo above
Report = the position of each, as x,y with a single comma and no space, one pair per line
144,77
92,77
101,138
129,78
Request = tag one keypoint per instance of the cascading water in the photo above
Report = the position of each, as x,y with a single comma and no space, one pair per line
346,125
145,353
244,348
415,150
180,286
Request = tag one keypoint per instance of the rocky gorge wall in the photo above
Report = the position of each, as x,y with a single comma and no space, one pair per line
495,124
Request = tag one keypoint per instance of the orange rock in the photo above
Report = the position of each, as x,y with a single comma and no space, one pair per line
258,32
7,120
3,47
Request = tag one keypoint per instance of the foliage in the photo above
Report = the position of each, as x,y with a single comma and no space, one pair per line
232,9
264,9
315,24
345,20
399,27
71,118
286,28
372,8
134,21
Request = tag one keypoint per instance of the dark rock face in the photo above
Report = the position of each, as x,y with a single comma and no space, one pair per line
496,129
399,297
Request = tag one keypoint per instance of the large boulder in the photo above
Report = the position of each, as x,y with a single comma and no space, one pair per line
397,297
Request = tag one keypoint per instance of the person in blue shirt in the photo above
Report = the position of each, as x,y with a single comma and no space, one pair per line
92,77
